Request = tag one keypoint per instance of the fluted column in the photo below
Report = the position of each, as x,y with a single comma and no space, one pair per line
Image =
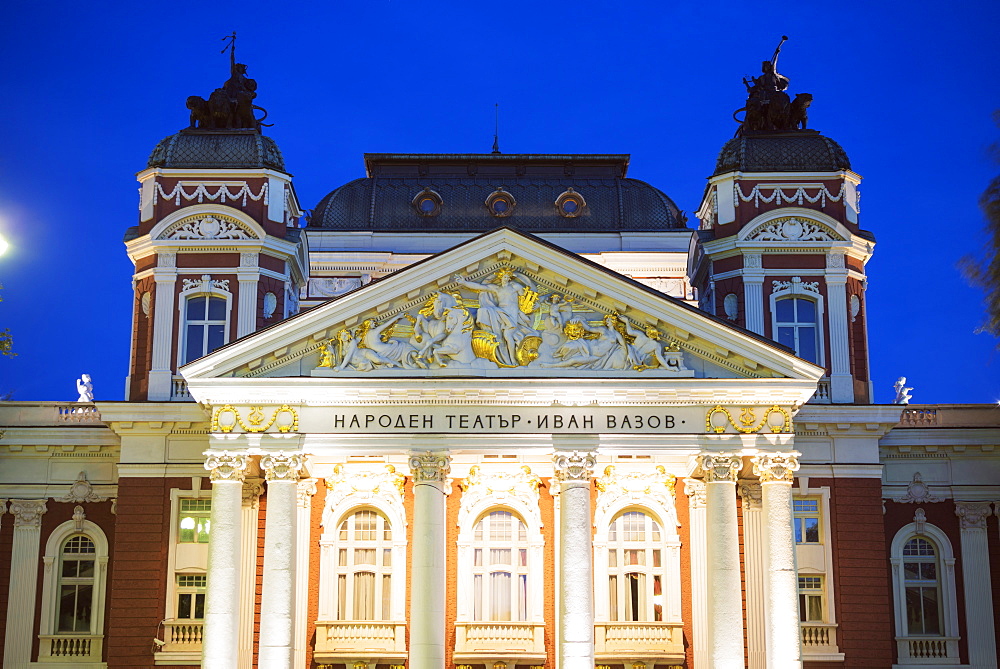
753,292
576,588
220,647
781,619
277,598
248,580
753,559
695,491
725,601
305,491
978,590
23,580
841,381
428,575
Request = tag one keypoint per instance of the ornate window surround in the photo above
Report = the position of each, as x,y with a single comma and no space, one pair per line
50,592
209,289
201,211
949,604
798,289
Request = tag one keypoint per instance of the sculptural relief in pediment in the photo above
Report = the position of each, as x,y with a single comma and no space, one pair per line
504,319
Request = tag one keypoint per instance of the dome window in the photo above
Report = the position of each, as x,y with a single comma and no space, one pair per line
570,204
501,203
427,203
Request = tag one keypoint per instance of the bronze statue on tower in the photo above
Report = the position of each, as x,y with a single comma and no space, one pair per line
230,107
768,107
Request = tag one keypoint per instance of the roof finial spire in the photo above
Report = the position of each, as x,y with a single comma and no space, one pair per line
496,128
231,48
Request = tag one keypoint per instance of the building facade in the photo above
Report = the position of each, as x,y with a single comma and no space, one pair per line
495,411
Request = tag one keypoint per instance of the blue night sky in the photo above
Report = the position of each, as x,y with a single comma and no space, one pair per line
89,88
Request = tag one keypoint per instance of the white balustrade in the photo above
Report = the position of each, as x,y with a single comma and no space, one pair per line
499,637
348,638
639,638
78,646
182,635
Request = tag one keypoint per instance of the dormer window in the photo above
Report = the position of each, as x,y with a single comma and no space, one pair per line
427,203
501,203
570,204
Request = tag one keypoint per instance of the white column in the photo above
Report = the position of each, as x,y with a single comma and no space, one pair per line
277,598
753,292
161,373
782,587
753,558
576,587
841,381
695,491
303,523
978,590
725,601
428,575
23,581
248,579
247,275
220,646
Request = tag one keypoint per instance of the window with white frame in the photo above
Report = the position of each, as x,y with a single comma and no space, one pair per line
205,325
190,592
635,568
77,571
500,567
194,521
812,608
806,515
364,567
922,588
796,323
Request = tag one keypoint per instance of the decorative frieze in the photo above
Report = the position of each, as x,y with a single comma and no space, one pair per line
775,419
574,466
917,492
430,467
81,491
972,515
281,466
787,194
657,485
206,283
201,193
226,418
775,467
792,229
226,466
796,285
720,467
28,512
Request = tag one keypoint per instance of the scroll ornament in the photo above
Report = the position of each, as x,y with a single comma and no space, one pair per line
430,467
775,467
720,467
226,418
363,486
498,487
281,466
658,485
775,419
226,466
574,466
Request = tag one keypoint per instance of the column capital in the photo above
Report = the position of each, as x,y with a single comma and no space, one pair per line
3,506
252,490
972,515
304,492
226,466
751,493
574,465
720,467
281,466
430,466
28,512
775,467
695,491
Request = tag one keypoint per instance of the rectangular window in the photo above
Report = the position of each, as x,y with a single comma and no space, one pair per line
806,520
811,599
194,521
191,596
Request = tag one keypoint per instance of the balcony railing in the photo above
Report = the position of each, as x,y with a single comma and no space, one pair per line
927,650
639,639
350,638
822,394
179,390
78,412
182,636
70,648
524,640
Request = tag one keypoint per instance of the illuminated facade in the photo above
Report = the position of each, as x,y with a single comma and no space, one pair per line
498,411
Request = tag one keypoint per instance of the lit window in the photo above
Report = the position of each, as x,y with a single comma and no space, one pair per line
500,568
364,567
635,568
811,599
205,326
923,592
191,596
806,521
797,326
194,521
76,585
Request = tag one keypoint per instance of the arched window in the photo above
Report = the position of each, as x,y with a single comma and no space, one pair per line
204,326
796,322
364,567
635,568
924,594
500,567
77,570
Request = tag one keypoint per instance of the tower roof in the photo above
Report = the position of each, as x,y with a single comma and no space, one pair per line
800,151
217,149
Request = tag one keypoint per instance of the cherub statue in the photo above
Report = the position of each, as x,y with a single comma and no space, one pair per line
85,388
326,354
903,395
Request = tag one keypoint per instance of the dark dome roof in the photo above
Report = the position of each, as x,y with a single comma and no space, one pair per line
384,203
802,151
218,149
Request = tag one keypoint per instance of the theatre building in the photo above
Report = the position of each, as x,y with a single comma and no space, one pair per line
498,411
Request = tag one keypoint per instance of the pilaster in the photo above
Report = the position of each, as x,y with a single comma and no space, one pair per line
573,471
753,292
281,471
978,589
305,490
252,491
753,557
841,382
695,491
23,581
161,365
428,575
248,275
220,648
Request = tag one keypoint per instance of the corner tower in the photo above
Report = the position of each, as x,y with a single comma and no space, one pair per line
783,253
218,251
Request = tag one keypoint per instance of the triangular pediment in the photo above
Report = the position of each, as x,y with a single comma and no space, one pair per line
504,304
